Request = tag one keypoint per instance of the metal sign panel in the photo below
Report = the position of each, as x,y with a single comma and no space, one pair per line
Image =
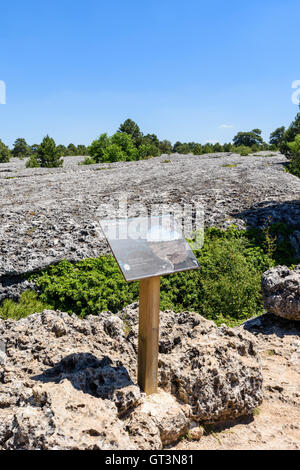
148,246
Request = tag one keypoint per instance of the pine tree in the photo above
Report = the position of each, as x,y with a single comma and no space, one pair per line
4,153
21,149
47,155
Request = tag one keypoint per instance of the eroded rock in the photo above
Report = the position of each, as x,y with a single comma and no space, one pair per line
70,383
215,371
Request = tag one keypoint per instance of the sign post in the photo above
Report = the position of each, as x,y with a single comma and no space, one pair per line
145,249
149,308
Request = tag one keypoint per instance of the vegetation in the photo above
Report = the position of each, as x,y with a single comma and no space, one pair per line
289,136
276,137
129,144
226,288
28,304
247,139
294,147
47,155
21,149
4,153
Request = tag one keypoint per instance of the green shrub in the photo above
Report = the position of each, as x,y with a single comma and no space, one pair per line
294,166
87,287
226,288
148,150
87,161
28,304
5,153
243,150
47,155
118,147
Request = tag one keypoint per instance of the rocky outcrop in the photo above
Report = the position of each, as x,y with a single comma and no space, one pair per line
68,383
43,219
215,371
281,292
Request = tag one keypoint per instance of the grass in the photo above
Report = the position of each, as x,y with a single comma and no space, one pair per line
256,412
270,352
29,303
230,165
102,169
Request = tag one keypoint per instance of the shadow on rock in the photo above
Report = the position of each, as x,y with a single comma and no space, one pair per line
269,324
287,212
97,377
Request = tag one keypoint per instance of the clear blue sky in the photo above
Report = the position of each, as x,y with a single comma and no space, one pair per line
181,69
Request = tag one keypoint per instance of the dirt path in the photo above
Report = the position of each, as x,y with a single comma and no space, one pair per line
276,424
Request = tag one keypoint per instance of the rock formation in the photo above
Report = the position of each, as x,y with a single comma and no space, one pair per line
281,292
69,383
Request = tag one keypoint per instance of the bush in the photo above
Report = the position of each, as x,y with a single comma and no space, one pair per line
21,149
242,150
47,155
225,288
87,287
294,166
148,150
119,147
87,161
5,153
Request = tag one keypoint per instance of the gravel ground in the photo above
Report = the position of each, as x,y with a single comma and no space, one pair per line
50,214
276,423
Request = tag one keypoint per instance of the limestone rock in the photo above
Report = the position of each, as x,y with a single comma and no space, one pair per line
44,220
215,371
281,292
162,412
70,383
66,419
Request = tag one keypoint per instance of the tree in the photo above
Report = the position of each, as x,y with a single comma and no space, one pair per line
118,147
248,139
198,149
97,147
207,148
33,149
71,150
148,150
21,149
277,136
62,150
125,143
5,153
165,146
218,147
227,147
47,155
131,128
176,146
81,150
295,154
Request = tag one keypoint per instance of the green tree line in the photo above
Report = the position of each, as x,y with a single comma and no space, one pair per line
130,144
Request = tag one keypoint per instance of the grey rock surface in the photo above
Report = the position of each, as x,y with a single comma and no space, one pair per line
281,292
50,214
215,371
68,383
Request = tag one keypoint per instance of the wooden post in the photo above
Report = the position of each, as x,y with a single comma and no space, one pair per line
148,334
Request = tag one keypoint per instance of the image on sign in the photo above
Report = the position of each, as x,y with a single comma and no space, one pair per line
148,246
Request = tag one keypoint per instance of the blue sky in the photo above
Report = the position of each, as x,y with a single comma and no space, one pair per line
180,69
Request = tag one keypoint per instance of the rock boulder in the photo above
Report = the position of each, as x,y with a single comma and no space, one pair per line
281,292
70,383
